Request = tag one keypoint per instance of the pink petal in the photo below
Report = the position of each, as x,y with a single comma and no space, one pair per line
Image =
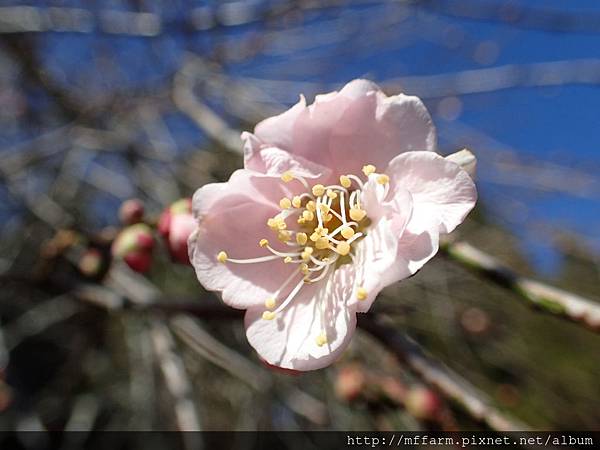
289,340
376,257
276,131
375,128
444,191
232,217
274,161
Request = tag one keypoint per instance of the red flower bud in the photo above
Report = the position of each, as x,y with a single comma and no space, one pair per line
350,382
176,223
90,263
131,211
423,403
134,245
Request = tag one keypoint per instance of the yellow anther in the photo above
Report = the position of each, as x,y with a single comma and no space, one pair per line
270,303
305,256
369,169
263,242
284,235
315,236
324,208
348,232
296,202
308,215
343,248
287,259
268,315
301,238
222,257
361,293
322,243
318,190
345,181
327,218
304,268
309,250
301,220
325,260
272,223
321,339
331,194
357,214
311,206
383,179
285,203
287,176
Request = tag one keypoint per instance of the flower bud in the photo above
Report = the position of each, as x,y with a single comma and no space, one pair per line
350,382
423,403
176,223
90,264
134,245
131,211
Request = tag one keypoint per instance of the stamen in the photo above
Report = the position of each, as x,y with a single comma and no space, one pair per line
270,303
318,190
322,243
348,232
345,181
222,257
268,315
361,293
285,203
357,214
321,339
290,297
343,248
358,180
383,179
263,242
369,169
301,238
249,261
297,201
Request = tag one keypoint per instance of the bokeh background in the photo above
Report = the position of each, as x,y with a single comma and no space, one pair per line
105,101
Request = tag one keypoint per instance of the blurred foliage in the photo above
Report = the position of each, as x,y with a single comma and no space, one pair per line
89,119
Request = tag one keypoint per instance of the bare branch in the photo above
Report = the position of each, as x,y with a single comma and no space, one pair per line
541,296
451,385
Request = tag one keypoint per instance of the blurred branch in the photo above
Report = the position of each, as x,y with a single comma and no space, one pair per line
210,122
176,380
543,297
439,376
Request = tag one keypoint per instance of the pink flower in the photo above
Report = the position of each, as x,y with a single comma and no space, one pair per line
175,224
336,201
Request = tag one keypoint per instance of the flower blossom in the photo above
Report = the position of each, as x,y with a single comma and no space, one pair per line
336,200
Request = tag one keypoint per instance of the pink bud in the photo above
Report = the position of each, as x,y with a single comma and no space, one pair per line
423,403
90,263
134,245
350,382
131,211
176,223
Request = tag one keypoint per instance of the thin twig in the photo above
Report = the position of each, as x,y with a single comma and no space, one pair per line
448,383
543,297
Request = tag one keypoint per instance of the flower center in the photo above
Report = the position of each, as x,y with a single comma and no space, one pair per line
320,227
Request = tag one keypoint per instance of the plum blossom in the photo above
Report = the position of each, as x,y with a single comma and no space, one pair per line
336,200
